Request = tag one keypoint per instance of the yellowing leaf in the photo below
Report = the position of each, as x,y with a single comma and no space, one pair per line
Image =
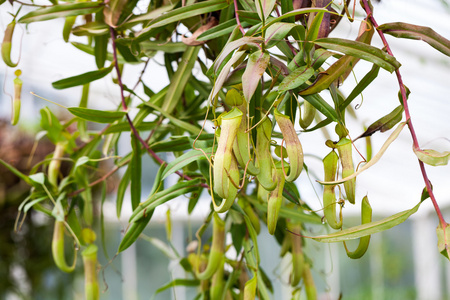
432,157
443,235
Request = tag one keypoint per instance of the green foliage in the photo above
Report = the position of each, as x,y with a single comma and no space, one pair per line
251,94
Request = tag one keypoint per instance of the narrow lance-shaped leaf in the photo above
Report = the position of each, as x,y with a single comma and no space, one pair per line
360,87
223,75
68,24
98,116
142,215
90,50
297,77
135,172
416,32
180,78
220,30
264,8
61,11
326,78
293,13
156,199
177,122
153,14
313,31
113,11
385,123
256,66
361,50
368,228
277,32
177,282
181,13
124,182
246,40
185,159
91,29
82,78
321,105
341,68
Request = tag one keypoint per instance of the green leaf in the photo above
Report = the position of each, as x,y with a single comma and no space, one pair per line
416,32
179,79
220,80
368,228
185,159
121,189
61,11
82,78
443,235
251,230
181,13
361,50
295,79
321,105
222,29
385,123
277,32
256,66
51,124
264,8
91,29
38,178
113,11
98,116
134,230
231,46
90,50
313,31
68,24
325,79
177,282
101,50
15,171
125,126
135,172
182,124
154,13
432,157
293,13
155,200
149,46
285,212
360,87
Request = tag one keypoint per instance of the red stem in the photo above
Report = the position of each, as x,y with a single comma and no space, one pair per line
416,146
237,17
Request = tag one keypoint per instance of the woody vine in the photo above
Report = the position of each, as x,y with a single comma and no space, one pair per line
271,73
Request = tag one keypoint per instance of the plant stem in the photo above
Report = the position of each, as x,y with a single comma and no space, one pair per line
237,17
416,146
124,107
